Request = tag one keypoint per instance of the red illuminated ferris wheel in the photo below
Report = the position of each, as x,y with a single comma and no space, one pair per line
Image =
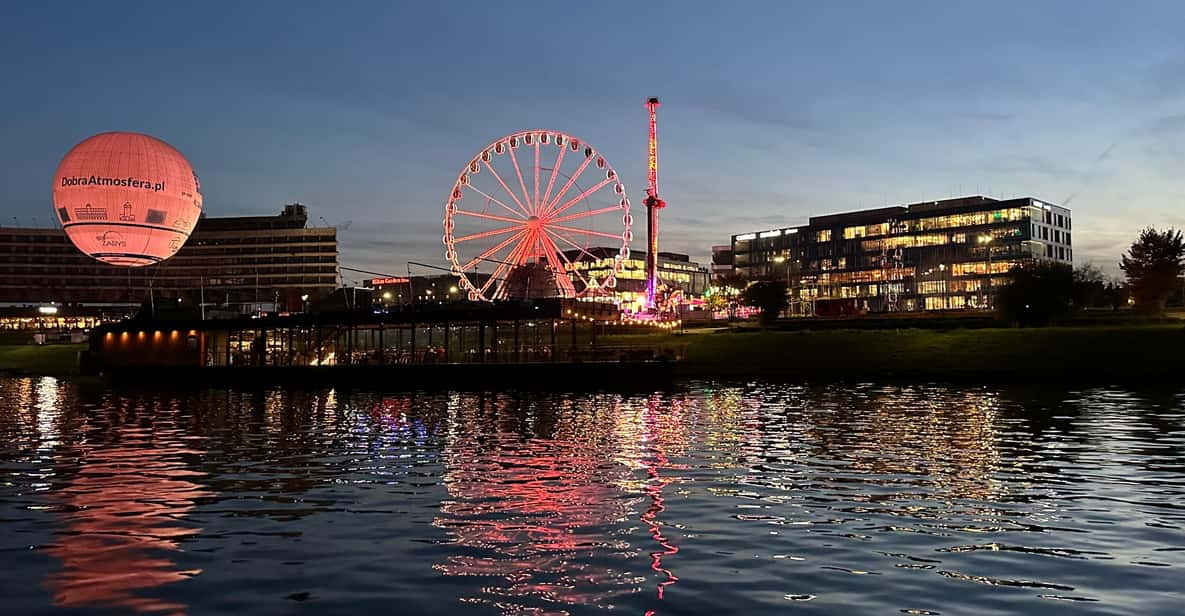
524,213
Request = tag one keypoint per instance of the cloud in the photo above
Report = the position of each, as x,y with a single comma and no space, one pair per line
760,108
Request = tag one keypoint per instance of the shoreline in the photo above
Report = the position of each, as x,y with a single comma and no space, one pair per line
1099,354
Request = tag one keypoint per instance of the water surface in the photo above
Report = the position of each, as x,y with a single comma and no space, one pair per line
751,499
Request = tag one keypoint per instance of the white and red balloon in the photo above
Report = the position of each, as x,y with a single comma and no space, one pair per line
126,199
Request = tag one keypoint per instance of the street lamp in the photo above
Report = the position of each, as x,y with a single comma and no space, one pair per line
779,260
304,302
986,240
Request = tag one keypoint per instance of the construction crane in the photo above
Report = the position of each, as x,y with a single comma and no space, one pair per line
653,205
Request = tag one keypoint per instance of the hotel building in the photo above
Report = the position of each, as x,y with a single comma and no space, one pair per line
933,255
241,263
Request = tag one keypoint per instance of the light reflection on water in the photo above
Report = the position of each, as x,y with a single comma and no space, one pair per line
756,498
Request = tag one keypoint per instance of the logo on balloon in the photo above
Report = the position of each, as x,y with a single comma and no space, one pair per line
112,239
128,182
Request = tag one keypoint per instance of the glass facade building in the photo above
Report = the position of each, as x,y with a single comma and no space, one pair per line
675,270
933,255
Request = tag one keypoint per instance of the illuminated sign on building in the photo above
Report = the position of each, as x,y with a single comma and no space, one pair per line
376,282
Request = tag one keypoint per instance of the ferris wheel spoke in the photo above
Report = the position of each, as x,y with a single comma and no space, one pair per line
584,232
493,251
490,233
573,244
582,196
526,212
587,214
559,161
489,217
512,260
491,198
570,269
519,173
568,184
502,265
536,201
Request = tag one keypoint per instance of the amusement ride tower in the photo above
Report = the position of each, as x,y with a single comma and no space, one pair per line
653,205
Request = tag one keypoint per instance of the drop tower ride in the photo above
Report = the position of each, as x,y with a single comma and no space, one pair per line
653,205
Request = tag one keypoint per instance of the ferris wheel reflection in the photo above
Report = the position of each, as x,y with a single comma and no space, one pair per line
547,507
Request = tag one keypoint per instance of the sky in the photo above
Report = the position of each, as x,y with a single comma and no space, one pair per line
771,111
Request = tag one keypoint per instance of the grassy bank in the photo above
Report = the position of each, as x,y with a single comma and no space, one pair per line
1099,354
47,360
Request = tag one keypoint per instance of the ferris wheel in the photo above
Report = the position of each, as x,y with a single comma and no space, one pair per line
532,214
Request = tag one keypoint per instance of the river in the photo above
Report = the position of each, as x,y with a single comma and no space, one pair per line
750,498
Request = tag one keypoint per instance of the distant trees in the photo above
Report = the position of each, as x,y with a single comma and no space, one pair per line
732,280
1152,265
726,295
1090,286
1115,294
768,296
1040,292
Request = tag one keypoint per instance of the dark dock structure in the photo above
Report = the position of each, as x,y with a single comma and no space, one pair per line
504,344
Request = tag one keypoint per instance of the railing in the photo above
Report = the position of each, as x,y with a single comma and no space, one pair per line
525,354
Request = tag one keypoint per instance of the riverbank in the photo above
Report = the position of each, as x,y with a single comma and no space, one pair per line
40,360
1096,354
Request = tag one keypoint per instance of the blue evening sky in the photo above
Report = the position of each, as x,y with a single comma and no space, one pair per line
772,111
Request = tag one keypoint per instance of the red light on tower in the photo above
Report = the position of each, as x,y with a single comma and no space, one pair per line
653,205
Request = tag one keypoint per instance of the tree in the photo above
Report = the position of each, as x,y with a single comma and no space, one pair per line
1039,293
768,296
1090,287
728,292
1115,294
1152,265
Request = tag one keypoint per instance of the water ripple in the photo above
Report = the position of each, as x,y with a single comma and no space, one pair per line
916,499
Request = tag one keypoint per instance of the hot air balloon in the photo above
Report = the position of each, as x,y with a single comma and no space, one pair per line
126,199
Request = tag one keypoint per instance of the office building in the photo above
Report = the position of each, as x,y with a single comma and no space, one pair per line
933,255
675,271
722,262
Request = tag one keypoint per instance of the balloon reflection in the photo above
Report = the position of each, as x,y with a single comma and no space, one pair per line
124,512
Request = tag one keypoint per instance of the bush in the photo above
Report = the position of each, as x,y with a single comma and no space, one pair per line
768,296
1040,293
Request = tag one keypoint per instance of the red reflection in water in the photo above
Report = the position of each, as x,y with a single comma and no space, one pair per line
653,489
540,514
124,505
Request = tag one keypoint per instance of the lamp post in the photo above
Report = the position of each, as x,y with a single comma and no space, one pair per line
304,302
945,287
985,240
779,260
